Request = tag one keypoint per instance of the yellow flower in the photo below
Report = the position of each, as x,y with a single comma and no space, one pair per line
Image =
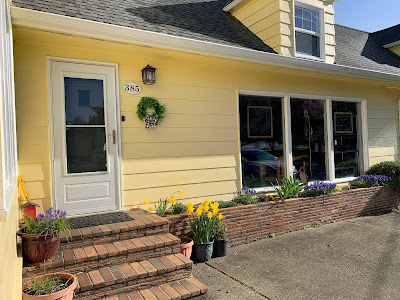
173,200
199,211
206,201
220,217
146,202
206,208
190,204
180,192
190,210
215,211
209,215
150,209
169,200
338,188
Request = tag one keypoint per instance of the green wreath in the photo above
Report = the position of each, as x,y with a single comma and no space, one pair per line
148,102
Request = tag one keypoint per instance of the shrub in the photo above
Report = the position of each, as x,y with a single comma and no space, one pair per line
289,188
318,188
388,168
245,196
178,208
371,180
225,204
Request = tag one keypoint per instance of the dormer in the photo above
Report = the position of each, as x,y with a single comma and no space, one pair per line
304,29
389,38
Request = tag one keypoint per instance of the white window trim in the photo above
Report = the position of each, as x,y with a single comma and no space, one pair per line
9,165
330,164
321,33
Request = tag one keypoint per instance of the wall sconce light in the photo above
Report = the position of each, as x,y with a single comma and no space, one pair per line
149,75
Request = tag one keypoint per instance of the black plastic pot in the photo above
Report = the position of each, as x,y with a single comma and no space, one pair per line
220,248
202,252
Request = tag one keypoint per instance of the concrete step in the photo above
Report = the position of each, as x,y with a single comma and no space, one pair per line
182,289
87,258
130,277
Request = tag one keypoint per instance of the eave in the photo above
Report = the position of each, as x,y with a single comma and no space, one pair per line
75,26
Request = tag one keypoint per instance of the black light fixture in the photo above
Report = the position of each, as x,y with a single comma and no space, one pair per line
149,75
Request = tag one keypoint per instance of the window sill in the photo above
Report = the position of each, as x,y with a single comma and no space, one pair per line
309,57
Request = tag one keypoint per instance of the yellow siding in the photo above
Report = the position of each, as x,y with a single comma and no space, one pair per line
10,263
395,49
196,148
273,22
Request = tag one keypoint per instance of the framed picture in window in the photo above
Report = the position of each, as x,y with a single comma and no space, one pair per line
259,122
343,122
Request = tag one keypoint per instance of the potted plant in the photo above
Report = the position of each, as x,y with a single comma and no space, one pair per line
202,224
52,286
220,240
186,245
41,238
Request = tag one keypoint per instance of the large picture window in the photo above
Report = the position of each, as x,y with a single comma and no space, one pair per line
261,140
311,138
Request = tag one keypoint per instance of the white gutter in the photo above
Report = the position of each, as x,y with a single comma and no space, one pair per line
396,43
58,23
231,5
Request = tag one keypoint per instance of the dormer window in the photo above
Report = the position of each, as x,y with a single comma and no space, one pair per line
308,32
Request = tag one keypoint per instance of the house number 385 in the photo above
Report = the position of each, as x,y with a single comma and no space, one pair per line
132,88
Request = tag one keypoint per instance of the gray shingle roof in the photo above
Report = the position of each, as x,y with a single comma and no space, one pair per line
204,20
359,49
388,35
196,19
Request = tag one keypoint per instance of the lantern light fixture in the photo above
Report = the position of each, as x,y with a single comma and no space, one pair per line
149,75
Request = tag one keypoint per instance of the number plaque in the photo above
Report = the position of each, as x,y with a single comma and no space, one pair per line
132,88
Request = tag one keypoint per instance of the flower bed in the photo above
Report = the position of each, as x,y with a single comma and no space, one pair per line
248,223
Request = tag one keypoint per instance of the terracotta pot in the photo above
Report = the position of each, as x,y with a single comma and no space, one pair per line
65,294
186,249
39,247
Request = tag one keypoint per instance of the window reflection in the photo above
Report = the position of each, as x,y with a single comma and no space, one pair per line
308,138
261,138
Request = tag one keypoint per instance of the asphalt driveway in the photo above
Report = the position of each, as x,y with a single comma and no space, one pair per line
356,259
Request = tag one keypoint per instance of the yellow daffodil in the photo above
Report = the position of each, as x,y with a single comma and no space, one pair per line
338,188
206,201
146,202
169,200
206,208
215,211
180,192
209,215
220,217
190,204
150,209
190,210
173,200
199,211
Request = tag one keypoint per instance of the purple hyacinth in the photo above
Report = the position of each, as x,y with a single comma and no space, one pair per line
318,188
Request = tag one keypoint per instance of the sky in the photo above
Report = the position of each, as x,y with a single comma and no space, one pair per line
367,15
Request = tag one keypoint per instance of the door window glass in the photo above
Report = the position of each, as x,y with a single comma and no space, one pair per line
85,126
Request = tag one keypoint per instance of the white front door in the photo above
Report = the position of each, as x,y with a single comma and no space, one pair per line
84,137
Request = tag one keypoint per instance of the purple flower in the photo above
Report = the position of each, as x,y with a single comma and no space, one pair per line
40,217
373,180
318,188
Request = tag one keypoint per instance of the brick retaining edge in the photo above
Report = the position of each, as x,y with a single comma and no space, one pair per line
248,223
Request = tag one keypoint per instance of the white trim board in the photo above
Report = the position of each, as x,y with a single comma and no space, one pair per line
75,26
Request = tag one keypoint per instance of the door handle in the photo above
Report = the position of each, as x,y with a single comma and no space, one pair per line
114,136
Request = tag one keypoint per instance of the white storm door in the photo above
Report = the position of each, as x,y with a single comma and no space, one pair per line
85,147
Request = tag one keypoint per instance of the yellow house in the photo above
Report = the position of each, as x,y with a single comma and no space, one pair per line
254,91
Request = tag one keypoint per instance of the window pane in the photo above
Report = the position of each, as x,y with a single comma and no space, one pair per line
308,138
307,44
86,149
346,139
84,101
261,140
307,19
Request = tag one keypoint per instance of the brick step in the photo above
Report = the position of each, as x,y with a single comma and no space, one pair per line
144,224
88,258
127,278
182,289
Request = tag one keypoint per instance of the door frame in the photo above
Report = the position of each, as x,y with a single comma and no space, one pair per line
118,180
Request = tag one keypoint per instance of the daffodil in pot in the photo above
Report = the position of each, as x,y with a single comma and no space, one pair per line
41,237
202,224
